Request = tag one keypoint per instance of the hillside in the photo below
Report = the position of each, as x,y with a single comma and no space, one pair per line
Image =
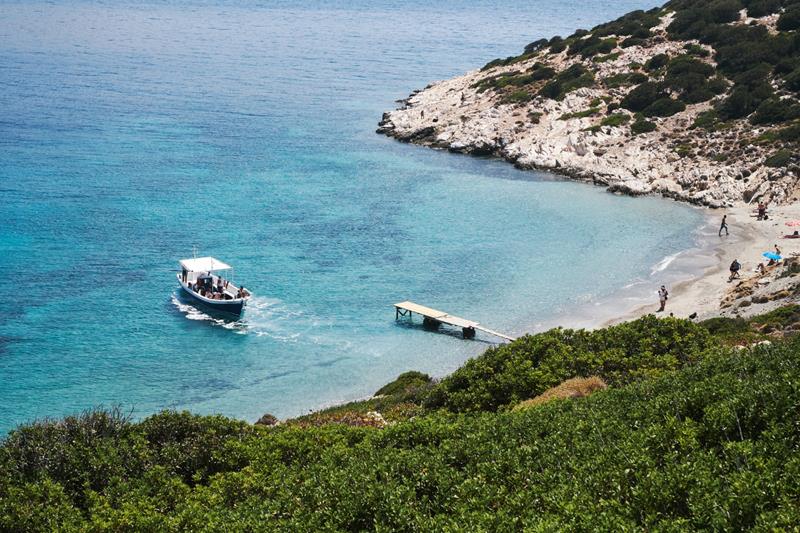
695,100
692,432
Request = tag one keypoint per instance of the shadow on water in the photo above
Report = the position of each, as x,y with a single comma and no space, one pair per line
442,330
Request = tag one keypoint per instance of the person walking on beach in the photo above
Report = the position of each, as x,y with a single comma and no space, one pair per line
662,297
724,225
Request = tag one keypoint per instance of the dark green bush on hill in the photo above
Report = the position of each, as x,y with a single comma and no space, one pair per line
557,45
790,19
640,125
656,62
762,8
569,79
774,110
508,374
664,107
779,159
592,45
642,96
406,383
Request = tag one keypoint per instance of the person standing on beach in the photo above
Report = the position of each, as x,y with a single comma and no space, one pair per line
662,297
724,225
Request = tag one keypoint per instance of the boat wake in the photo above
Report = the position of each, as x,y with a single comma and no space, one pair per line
263,317
193,313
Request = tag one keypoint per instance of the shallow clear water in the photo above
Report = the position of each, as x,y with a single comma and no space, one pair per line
131,132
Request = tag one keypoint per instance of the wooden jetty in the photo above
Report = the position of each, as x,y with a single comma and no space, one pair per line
433,318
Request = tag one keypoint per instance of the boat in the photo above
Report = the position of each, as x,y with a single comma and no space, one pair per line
202,279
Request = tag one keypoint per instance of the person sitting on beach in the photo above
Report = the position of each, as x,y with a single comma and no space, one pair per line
760,269
735,267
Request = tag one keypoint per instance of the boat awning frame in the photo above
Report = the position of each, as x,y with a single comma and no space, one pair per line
203,264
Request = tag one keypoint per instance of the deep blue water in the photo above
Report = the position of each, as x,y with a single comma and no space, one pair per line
131,132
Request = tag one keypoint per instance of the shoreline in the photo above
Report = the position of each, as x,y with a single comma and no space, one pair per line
710,294
637,298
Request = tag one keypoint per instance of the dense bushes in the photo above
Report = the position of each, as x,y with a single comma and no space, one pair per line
790,19
749,55
567,81
641,125
510,373
711,446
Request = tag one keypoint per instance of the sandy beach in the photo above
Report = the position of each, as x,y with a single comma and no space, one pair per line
748,239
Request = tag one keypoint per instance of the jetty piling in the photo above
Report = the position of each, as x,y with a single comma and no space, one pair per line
433,319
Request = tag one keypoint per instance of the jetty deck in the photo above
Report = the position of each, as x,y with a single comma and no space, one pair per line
433,318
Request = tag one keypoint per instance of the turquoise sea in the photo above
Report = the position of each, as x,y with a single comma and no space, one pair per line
132,131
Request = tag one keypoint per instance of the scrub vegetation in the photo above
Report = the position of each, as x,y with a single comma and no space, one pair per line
692,432
747,70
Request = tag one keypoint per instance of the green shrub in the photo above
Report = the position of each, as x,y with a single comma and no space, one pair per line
656,62
790,19
717,85
792,80
568,80
775,110
696,50
592,45
532,364
707,120
632,41
535,46
640,125
722,11
664,107
616,119
624,79
762,8
580,114
739,104
609,57
557,45
406,383
780,158
790,133
642,96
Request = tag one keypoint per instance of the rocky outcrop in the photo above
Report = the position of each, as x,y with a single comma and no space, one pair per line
586,136
267,420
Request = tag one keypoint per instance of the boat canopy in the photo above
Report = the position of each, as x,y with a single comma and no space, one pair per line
203,264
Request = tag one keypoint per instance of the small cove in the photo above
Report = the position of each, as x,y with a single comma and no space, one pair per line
132,132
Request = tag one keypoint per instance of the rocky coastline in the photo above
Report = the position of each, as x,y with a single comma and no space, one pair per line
585,133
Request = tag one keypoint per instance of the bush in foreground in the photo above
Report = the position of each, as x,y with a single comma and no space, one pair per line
710,446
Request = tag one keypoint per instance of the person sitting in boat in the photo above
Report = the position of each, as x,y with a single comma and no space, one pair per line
219,284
